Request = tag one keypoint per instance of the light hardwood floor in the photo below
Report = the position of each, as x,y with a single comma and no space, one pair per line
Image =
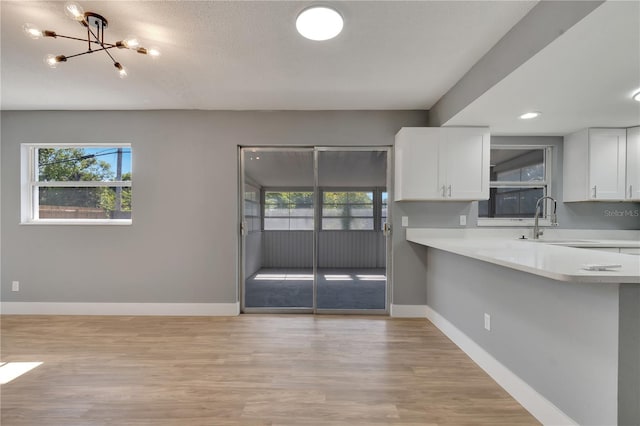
246,370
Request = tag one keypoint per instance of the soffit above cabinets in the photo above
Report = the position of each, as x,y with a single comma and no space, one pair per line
585,78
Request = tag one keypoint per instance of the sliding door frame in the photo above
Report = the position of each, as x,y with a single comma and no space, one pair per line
316,229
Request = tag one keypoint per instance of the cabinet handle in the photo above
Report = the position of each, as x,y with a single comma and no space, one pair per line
630,191
449,190
443,190
595,191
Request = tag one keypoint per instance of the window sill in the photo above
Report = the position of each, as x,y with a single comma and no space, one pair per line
513,222
117,222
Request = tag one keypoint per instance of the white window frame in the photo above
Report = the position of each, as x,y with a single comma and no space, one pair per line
29,184
544,220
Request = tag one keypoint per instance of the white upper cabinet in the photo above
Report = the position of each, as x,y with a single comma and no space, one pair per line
442,163
594,165
633,164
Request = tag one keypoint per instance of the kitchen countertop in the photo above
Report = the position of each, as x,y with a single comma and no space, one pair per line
604,243
553,261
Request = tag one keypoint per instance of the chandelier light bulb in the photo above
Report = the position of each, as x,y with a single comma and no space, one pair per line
74,11
122,72
131,42
153,52
32,31
51,61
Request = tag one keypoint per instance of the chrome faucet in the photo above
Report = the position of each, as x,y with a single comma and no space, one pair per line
554,219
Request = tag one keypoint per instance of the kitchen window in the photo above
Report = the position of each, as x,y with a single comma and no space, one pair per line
74,184
519,176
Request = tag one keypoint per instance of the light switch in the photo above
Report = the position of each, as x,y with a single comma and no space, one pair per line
405,220
463,220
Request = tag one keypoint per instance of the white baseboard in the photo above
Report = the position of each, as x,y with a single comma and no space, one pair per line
409,311
540,407
163,309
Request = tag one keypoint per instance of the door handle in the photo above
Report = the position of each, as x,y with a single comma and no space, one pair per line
630,191
386,229
243,228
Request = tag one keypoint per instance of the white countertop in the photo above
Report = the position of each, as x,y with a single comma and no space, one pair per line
590,243
548,260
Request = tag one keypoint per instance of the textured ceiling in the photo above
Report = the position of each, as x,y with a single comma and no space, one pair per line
247,55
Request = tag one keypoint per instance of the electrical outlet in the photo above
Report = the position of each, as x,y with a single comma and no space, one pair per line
487,322
405,220
15,286
463,220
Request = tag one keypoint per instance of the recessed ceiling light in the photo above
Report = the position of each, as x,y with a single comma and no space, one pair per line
530,115
636,96
319,23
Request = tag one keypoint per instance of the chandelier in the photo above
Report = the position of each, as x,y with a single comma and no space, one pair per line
95,25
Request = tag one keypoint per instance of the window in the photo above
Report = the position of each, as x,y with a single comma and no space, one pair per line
76,183
252,207
519,176
384,208
288,211
344,210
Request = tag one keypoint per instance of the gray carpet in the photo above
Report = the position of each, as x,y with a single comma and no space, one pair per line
337,289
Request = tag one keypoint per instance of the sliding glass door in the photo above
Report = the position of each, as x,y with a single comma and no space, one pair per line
351,245
313,230
278,229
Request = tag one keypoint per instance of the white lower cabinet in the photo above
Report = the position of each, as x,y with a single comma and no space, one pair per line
442,163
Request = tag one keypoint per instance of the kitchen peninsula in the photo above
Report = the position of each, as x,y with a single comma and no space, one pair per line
561,339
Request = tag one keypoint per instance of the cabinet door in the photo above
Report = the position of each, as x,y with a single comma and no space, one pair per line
416,164
466,158
633,164
607,154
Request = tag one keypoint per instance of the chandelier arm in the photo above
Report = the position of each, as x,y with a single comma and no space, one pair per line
102,44
90,41
92,51
94,35
107,52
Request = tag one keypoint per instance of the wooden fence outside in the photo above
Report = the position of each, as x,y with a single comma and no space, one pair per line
72,212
